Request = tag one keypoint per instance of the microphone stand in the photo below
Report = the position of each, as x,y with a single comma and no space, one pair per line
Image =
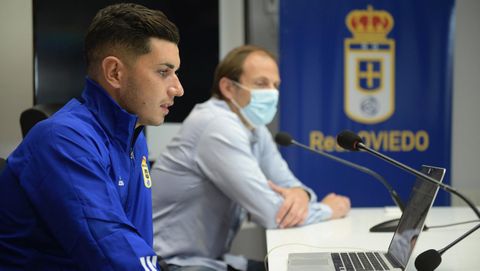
441,251
429,259
445,187
386,226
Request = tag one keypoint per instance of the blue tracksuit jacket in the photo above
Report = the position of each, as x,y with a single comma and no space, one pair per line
75,195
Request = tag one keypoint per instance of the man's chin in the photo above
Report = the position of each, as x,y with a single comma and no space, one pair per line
158,123
152,122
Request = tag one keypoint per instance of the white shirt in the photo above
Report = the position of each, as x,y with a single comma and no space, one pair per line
211,171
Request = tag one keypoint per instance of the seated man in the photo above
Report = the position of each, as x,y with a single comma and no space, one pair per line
75,194
224,162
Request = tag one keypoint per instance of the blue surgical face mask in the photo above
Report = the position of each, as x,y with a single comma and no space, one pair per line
262,106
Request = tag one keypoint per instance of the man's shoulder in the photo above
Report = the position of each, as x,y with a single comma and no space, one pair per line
70,126
70,121
212,115
66,134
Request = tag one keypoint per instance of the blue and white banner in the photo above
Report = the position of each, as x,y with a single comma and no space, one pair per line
381,68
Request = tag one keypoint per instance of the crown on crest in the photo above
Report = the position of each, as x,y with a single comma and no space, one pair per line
369,24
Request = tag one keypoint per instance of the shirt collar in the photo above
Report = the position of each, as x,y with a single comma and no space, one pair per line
118,123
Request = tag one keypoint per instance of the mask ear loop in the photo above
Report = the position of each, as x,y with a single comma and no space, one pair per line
240,111
240,85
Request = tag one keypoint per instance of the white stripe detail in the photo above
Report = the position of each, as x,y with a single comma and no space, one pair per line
142,261
154,261
149,263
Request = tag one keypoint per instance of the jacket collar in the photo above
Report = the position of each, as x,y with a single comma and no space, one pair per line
118,123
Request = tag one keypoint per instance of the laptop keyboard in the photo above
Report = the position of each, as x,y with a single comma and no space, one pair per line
364,261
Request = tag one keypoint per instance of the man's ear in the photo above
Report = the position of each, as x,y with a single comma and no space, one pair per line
113,71
226,88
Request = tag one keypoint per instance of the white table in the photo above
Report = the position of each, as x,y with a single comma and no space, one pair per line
352,233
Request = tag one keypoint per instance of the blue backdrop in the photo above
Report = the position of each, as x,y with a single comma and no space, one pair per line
382,69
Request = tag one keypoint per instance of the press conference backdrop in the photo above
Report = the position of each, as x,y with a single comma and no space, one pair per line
382,69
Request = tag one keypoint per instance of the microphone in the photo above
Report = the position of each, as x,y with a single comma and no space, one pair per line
284,139
430,259
349,140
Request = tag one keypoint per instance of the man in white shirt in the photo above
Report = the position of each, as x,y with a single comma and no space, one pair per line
224,163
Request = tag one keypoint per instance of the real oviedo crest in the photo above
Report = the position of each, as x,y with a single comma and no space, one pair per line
147,181
369,66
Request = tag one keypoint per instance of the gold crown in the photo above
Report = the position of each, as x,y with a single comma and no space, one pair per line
369,24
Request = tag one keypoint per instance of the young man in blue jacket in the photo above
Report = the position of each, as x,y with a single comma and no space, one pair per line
75,195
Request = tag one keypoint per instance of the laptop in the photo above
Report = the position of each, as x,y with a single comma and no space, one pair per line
401,247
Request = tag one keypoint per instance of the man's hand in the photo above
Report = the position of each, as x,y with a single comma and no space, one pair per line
294,209
340,205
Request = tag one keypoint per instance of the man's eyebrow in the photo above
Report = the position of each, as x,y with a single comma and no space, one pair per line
169,65
264,78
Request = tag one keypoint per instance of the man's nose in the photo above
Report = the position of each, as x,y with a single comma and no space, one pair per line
176,89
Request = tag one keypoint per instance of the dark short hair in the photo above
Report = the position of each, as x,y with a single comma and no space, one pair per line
126,28
231,66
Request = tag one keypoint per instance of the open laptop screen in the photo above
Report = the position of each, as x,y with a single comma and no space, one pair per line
413,218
